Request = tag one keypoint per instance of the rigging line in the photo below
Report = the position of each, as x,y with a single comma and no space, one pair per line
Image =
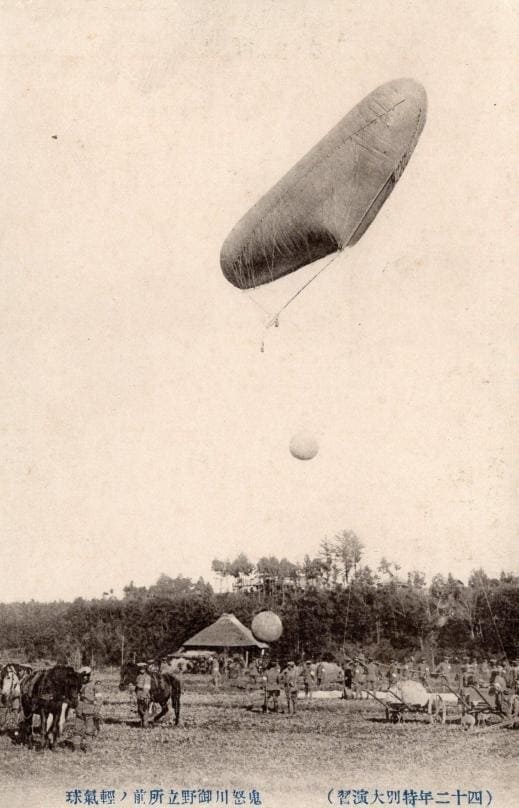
346,620
266,311
275,319
256,303
492,615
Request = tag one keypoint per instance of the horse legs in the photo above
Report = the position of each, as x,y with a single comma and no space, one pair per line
62,718
143,709
163,710
175,701
44,730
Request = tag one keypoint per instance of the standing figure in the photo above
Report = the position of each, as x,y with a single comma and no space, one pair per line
86,712
308,679
424,672
320,673
272,686
289,679
347,691
371,675
484,673
143,693
393,673
444,668
215,673
499,688
359,679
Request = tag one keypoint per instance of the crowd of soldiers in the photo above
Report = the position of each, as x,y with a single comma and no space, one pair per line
366,674
361,676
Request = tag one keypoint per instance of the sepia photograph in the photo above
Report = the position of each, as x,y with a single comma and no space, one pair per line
259,408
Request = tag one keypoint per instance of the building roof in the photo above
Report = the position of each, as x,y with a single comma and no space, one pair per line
226,632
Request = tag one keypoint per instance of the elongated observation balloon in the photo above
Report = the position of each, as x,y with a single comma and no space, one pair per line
331,196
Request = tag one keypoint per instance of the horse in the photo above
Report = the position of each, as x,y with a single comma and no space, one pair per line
164,686
48,694
9,692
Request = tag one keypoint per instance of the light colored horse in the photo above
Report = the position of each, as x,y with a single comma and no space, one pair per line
10,693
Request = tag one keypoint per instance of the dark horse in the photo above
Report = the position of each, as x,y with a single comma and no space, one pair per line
48,694
164,686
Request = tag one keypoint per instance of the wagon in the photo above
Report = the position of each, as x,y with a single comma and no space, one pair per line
409,696
504,711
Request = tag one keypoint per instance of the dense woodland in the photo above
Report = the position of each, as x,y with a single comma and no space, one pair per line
331,605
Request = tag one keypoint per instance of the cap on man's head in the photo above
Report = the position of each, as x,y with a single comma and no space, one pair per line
85,670
291,664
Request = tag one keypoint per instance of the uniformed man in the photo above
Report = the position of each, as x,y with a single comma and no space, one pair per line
215,673
393,672
347,671
289,679
319,672
143,693
371,675
308,679
499,688
272,686
405,670
484,673
424,672
471,674
444,668
86,712
359,679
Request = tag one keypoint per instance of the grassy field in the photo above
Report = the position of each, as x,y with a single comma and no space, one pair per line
225,742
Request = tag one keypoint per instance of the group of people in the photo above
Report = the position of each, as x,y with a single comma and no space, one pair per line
276,680
363,675
17,682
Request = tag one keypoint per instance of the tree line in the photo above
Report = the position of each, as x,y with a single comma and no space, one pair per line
331,605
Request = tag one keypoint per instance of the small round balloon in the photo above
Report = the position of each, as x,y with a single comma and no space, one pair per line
303,446
267,627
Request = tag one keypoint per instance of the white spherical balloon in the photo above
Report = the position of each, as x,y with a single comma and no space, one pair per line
304,446
267,627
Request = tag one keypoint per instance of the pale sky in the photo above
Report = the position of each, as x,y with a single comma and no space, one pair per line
143,431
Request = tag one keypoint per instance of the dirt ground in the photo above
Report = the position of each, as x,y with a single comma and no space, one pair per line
226,751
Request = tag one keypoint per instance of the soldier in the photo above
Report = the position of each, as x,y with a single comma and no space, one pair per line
371,674
359,678
412,668
347,692
393,672
424,672
320,673
405,670
494,670
289,679
215,673
463,674
444,668
308,679
499,688
86,713
484,673
471,675
143,693
272,686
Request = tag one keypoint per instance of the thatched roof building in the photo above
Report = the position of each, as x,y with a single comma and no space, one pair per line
226,633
